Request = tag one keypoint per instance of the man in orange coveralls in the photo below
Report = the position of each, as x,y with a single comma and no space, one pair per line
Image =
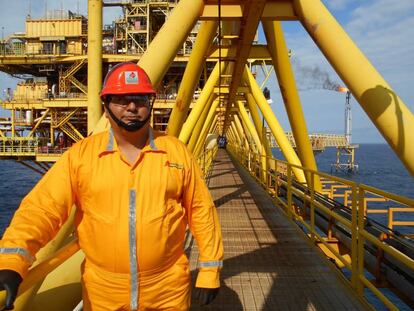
136,190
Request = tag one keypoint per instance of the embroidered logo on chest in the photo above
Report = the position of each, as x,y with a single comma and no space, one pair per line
174,165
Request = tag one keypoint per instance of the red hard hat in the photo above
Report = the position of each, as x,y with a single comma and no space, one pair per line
126,78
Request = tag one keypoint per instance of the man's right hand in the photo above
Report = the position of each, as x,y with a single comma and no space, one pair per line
10,281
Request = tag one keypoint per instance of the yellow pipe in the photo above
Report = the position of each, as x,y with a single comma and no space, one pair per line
280,57
23,301
198,107
207,126
274,125
191,76
246,120
233,127
163,48
94,62
386,110
258,123
242,131
195,135
265,151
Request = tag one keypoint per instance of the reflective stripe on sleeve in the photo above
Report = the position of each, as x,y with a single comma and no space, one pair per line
133,263
18,251
210,264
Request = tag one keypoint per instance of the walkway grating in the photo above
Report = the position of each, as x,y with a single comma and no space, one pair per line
268,264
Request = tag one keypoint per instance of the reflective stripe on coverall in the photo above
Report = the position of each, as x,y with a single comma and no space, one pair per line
130,220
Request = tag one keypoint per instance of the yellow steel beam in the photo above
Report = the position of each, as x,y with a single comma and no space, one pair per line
94,62
252,12
274,125
242,134
206,127
383,106
191,77
226,90
280,56
195,135
38,123
257,52
258,123
248,123
163,48
198,107
279,10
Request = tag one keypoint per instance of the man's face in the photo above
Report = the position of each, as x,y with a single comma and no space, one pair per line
129,108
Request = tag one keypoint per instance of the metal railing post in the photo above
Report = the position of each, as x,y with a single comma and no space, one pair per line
289,191
360,243
355,239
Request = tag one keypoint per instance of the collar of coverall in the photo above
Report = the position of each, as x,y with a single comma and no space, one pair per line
112,146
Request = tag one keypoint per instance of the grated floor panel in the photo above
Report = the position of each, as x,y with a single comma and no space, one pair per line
268,265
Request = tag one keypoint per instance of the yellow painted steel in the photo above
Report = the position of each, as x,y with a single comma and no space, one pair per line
195,136
280,57
211,118
191,77
258,124
201,102
383,106
25,300
274,125
356,225
94,63
252,130
241,132
39,272
265,151
233,127
245,133
163,48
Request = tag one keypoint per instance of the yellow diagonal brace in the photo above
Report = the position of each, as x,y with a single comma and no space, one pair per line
242,127
274,125
191,77
201,102
252,130
383,106
207,125
241,132
280,57
163,48
195,135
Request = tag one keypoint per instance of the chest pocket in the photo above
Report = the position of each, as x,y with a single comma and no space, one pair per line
102,194
157,187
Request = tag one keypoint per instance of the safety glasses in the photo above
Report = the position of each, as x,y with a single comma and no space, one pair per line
126,100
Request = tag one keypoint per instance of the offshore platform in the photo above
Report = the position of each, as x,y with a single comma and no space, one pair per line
198,53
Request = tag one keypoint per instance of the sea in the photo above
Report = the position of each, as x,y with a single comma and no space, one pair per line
378,167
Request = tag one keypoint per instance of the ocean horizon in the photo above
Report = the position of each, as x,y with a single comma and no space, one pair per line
379,167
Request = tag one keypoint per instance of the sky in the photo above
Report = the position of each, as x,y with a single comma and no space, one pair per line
382,29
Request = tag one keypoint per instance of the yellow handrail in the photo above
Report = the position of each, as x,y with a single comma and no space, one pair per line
354,197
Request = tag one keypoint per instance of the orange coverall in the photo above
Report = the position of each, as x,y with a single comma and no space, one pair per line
130,221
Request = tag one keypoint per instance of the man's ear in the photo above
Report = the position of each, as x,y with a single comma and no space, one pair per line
106,110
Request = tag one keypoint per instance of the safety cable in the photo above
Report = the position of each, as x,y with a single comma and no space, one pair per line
219,46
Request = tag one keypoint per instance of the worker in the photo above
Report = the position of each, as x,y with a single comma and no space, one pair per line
136,191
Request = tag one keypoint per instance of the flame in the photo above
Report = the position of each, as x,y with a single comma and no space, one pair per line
341,89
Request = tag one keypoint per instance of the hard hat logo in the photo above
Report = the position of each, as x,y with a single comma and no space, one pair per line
131,77
127,78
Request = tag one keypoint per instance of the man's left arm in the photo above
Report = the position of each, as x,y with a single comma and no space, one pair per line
205,227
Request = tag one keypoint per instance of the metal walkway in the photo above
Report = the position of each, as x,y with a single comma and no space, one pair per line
268,263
